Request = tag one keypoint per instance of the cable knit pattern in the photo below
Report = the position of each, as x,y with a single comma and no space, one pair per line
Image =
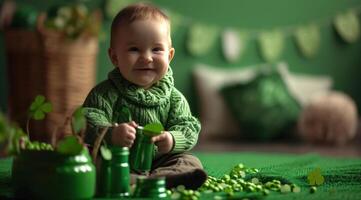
154,96
162,103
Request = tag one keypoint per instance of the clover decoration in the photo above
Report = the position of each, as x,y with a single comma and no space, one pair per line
39,107
315,177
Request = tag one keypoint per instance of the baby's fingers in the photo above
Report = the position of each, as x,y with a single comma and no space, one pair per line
133,124
128,143
130,136
158,138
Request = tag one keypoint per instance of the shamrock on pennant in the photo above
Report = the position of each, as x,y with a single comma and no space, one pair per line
39,107
315,177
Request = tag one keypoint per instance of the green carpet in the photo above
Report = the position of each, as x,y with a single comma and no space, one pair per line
342,175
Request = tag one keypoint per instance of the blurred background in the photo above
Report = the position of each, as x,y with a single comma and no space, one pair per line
273,75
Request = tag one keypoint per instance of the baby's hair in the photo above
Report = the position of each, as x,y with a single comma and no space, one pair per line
137,11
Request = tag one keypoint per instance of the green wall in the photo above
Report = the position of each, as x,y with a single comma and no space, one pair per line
336,58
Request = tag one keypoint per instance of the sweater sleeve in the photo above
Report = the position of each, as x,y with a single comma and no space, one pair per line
181,124
98,113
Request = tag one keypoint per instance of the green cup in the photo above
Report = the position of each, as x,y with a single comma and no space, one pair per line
142,152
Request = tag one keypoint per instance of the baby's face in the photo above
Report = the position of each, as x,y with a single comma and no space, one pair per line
142,51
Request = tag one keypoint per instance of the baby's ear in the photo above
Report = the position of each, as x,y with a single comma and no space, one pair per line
171,54
112,56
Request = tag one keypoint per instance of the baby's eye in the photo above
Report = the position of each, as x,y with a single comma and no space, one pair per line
133,49
157,49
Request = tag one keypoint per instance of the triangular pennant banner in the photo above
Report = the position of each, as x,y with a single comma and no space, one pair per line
200,39
233,45
271,45
348,27
308,40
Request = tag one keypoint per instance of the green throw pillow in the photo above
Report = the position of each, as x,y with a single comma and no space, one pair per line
263,106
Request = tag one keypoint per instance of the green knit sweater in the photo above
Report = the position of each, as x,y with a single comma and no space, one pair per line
162,103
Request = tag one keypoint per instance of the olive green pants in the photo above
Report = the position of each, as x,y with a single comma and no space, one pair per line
170,164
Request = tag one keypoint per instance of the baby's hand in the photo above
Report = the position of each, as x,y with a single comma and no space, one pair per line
164,142
124,134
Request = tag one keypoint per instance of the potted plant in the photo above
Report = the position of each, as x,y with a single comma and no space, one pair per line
62,170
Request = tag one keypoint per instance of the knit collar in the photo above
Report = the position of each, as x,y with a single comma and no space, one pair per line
153,96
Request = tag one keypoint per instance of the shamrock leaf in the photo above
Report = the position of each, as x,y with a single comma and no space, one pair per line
315,177
153,129
78,120
106,153
69,145
39,107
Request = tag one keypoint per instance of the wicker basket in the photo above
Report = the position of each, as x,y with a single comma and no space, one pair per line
24,67
46,62
69,76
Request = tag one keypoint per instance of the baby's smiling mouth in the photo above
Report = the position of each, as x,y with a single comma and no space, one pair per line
144,69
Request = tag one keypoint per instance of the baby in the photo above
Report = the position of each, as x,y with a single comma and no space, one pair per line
141,50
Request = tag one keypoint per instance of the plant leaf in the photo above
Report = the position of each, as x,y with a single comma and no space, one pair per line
14,143
39,107
37,102
79,120
70,146
46,107
38,115
106,153
153,129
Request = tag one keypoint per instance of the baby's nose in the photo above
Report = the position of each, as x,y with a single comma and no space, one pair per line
146,57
